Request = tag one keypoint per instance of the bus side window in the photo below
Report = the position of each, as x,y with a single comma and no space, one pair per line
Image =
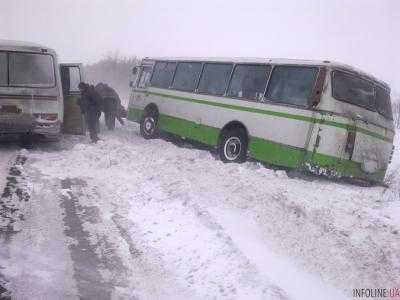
249,81
74,79
3,69
145,77
186,76
163,74
353,89
70,77
215,78
292,85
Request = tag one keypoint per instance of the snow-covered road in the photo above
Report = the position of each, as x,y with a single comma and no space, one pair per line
8,153
130,218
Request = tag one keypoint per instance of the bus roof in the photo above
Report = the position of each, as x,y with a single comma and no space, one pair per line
278,61
10,45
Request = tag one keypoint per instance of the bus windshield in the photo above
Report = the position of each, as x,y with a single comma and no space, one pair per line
32,70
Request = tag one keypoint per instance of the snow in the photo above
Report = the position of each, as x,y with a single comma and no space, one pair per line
146,219
6,158
252,242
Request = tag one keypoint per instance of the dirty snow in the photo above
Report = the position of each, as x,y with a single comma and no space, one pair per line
130,218
6,158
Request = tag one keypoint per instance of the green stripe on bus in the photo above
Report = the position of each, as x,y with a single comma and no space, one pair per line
264,150
291,157
344,167
134,114
277,154
271,113
204,134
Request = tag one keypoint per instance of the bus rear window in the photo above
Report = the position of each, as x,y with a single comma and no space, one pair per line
383,104
354,90
34,70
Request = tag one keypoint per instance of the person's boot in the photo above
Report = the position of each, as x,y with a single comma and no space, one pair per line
26,141
94,140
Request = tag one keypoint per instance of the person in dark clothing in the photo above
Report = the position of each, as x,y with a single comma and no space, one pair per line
90,107
111,105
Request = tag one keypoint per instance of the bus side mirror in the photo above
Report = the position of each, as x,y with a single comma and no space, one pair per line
134,70
131,83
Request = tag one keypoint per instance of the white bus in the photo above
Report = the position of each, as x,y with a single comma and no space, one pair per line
33,88
319,116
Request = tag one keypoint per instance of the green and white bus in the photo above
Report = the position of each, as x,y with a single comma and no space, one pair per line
319,116
37,95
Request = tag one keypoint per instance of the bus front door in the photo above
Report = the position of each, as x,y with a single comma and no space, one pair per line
71,76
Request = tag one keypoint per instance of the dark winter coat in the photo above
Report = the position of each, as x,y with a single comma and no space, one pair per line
90,101
110,98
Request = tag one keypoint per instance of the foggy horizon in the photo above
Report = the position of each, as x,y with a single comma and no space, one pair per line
86,31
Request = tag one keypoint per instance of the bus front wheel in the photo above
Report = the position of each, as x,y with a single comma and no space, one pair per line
148,125
233,146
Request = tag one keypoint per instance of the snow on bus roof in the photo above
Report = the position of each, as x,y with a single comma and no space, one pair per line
22,46
283,61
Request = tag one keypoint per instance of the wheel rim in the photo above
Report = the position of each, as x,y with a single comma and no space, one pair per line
149,125
232,148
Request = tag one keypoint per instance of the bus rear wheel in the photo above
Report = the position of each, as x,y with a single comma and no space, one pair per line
233,146
148,125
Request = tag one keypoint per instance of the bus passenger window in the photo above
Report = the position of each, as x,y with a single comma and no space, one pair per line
215,78
162,75
187,74
354,90
70,78
74,79
292,85
383,104
3,69
144,77
249,81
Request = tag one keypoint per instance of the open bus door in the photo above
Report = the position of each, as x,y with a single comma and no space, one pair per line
71,76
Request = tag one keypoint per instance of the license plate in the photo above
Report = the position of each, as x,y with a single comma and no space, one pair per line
9,109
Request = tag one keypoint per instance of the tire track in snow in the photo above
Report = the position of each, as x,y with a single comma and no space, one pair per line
130,271
86,263
123,225
32,266
10,214
212,261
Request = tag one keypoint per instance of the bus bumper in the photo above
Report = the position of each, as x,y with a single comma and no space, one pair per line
347,170
26,123
21,123
51,129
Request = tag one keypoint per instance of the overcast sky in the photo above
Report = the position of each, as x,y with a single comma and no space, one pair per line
363,33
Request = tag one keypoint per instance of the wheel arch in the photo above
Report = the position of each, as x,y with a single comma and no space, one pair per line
151,107
232,125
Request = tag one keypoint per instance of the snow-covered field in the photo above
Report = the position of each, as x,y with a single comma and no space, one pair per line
130,218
